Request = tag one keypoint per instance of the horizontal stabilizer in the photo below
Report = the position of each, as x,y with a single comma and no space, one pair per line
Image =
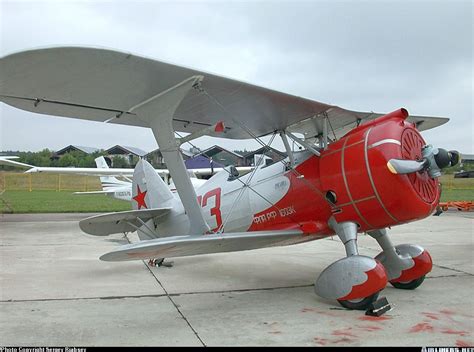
182,246
95,192
119,222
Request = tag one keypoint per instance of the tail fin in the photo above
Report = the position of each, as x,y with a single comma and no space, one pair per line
108,181
148,189
101,163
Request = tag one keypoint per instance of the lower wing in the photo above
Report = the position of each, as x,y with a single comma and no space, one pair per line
181,246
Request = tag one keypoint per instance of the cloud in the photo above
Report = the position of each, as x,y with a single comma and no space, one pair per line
364,55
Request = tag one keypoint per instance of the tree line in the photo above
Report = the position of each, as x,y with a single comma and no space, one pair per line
81,159
46,158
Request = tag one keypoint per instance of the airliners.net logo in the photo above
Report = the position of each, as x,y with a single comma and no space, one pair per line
447,349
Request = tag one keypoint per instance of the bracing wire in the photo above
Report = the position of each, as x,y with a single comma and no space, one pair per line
287,165
241,181
246,185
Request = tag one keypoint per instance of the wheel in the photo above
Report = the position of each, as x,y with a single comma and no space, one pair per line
410,285
359,304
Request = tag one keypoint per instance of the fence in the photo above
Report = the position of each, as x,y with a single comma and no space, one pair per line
11,181
451,183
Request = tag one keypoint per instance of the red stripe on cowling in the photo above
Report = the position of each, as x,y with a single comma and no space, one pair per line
376,281
423,265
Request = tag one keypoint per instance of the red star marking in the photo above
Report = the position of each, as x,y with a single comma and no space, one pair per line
140,198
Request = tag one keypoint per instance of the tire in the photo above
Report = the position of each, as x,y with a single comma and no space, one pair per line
362,304
410,285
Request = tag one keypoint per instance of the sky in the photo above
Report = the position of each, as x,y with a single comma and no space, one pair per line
360,55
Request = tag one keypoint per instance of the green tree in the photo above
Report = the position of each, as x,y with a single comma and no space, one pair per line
86,161
41,158
67,160
462,166
134,161
45,158
119,162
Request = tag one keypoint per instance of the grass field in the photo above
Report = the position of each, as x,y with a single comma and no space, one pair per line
448,195
45,197
455,189
449,182
13,181
58,202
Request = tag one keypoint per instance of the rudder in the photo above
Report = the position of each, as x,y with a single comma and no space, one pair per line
148,189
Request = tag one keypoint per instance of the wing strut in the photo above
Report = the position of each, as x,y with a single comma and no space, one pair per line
324,142
259,140
289,152
158,112
303,143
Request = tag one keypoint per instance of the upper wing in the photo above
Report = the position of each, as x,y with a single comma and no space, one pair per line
6,160
89,171
92,171
99,84
209,171
342,121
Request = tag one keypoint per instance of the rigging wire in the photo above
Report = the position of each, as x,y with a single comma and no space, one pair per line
287,165
243,183
332,129
246,185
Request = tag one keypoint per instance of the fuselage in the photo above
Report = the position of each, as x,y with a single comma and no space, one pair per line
349,181
123,190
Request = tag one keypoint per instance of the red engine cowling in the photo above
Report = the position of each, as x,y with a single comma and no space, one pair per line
355,170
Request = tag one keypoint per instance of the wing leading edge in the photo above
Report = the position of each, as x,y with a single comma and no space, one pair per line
181,246
105,85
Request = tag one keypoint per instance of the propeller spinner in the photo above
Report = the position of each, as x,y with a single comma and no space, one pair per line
434,159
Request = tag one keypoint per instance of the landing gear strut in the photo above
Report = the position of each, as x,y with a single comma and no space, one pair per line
406,264
354,281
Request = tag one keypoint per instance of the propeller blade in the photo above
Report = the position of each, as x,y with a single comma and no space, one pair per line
399,166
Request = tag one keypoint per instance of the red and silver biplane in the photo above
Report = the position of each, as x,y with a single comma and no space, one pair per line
357,171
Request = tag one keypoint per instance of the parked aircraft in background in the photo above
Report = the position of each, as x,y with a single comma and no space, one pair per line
359,172
111,185
122,189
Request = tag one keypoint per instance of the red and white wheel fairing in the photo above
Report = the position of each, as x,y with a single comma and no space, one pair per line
351,278
410,263
422,266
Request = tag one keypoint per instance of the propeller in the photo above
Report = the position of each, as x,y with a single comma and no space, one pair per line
434,159
400,166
